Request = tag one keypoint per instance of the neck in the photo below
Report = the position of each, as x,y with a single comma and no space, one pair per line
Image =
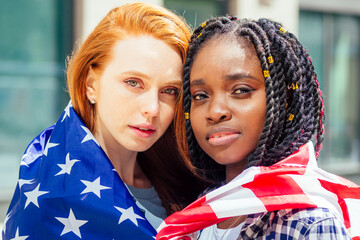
233,170
231,222
125,162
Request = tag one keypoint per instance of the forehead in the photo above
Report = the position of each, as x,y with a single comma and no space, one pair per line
143,52
225,54
137,45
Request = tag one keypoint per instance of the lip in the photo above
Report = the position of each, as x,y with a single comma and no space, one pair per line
222,136
143,130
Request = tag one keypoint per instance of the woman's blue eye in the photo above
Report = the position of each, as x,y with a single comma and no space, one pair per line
132,83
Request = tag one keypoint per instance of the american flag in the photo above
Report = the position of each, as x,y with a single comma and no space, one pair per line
68,189
295,182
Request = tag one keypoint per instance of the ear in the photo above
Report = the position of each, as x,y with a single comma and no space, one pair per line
91,85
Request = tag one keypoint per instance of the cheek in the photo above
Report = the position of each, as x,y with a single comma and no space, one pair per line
261,125
106,94
167,112
196,124
261,116
263,109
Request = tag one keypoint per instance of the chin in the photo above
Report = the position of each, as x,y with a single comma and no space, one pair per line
224,160
141,149
138,147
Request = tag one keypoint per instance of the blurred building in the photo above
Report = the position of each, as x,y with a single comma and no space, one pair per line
38,35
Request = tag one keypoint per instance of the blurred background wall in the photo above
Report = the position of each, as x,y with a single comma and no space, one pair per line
36,36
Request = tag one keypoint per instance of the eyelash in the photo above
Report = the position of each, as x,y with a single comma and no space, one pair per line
174,91
130,81
135,84
198,95
243,90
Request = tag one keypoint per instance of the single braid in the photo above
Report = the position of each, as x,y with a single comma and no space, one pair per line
313,104
277,74
202,162
285,55
262,44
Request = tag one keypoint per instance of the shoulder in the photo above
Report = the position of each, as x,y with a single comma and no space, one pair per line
312,223
308,216
37,146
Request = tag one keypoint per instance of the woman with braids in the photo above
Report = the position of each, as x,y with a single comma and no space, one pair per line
110,168
251,105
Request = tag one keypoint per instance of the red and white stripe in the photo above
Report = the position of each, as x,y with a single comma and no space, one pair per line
295,182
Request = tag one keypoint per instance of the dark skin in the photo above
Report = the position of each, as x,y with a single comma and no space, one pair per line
228,107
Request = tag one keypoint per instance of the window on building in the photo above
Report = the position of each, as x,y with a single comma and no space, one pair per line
36,36
333,40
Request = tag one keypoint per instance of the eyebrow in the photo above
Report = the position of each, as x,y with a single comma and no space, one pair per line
240,75
229,77
197,82
136,73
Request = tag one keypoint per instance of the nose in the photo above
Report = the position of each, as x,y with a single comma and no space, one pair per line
219,111
150,106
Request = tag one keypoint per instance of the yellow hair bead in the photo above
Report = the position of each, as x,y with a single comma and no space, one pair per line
187,115
266,73
199,35
294,86
203,24
291,117
282,30
270,59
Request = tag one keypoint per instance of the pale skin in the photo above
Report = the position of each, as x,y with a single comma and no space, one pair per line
228,107
135,98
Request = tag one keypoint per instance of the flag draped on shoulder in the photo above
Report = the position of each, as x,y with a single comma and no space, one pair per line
68,189
295,182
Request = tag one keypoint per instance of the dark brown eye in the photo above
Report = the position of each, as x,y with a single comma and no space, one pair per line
243,90
199,96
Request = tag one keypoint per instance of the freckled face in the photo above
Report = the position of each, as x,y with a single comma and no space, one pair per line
136,93
228,105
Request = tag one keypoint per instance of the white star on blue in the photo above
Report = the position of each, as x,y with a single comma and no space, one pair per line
17,237
88,136
93,187
71,224
32,196
49,145
128,214
66,168
67,111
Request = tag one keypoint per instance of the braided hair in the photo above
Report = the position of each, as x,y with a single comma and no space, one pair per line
294,107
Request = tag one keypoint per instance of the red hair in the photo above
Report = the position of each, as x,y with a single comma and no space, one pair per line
130,19
175,182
